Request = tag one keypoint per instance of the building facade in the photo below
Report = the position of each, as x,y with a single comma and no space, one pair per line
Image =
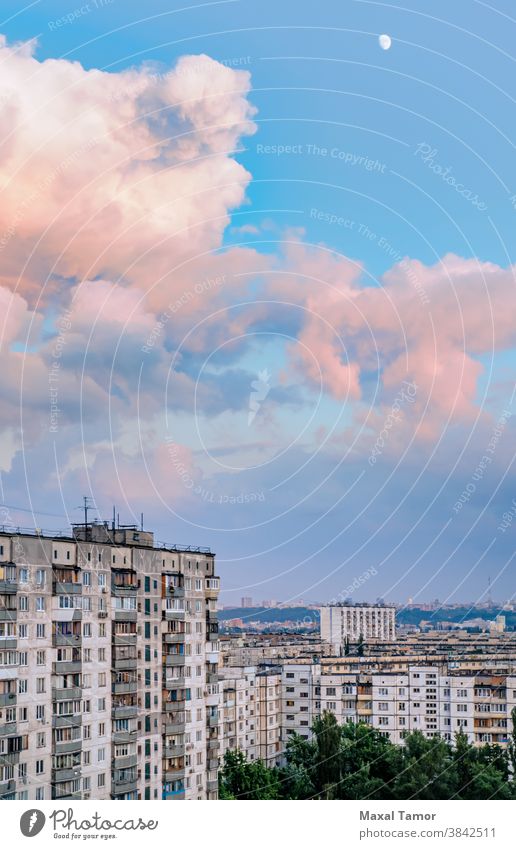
108,667
342,623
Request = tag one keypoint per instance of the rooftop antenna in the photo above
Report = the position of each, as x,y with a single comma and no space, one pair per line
489,597
86,505
141,521
114,518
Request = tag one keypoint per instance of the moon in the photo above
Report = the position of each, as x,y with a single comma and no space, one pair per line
384,41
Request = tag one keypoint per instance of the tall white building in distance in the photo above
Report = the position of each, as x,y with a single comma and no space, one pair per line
355,621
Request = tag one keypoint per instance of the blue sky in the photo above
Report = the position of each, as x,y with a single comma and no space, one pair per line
371,156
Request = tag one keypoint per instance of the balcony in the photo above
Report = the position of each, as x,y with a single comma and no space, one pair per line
176,751
72,720
124,711
8,586
173,683
123,785
124,639
125,663
60,694
124,590
212,720
174,614
65,667
8,614
212,784
7,787
7,700
58,794
175,723
175,592
125,761
171,707
67,747
119,688
125,615
66,640
174,659
66,588
8,728
213,763
124,736
174,637
213,743
174,774
11,758
68,774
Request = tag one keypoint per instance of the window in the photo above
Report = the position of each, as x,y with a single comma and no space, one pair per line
86,629
40,740
40,685
22,685
40,577
102,655
101,579
383,706
40,712
23,602
86,579
102,729
23,632
24,576
101,780
40,658
40,631
331,691
101,756
40,603
102,704
40,767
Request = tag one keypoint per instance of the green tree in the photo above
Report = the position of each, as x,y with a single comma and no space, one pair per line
328,766
243,779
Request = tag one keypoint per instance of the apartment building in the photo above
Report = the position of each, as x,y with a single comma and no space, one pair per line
250,712
343,623
436,699
108,667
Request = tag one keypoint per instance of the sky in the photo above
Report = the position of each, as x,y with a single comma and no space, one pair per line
257,282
